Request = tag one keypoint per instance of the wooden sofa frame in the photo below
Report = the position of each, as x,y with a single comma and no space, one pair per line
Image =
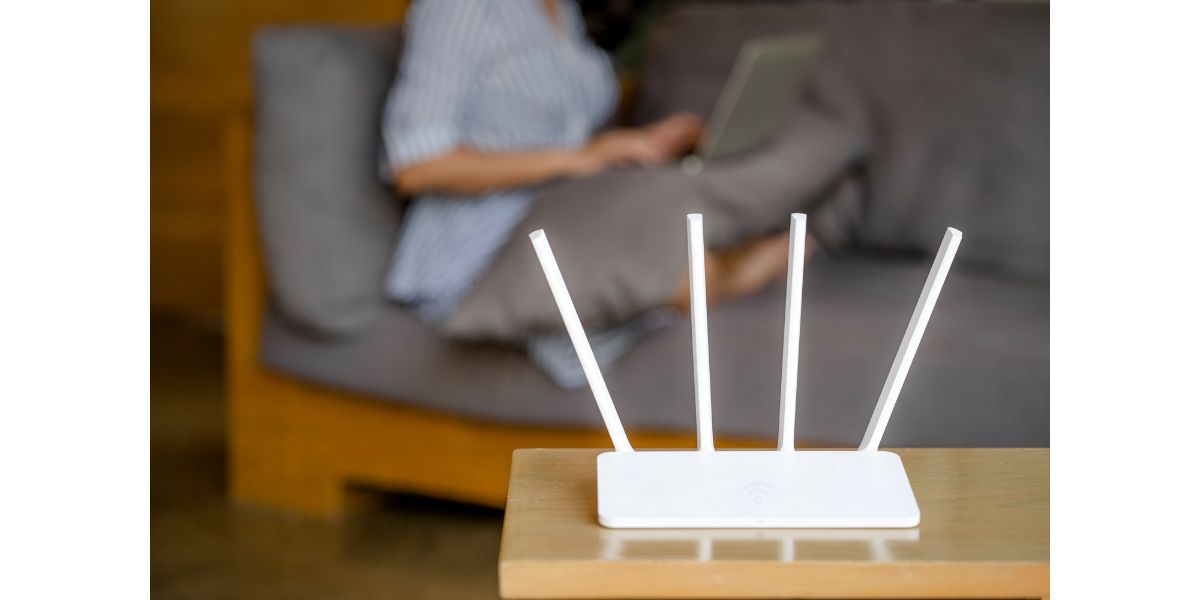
308,448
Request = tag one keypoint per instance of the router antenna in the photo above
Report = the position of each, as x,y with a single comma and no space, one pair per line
912,338
698,293
791,333
591,370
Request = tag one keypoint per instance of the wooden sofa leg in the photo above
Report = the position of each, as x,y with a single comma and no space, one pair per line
268,467
306,489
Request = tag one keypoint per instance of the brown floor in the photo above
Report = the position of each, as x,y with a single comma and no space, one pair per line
202,547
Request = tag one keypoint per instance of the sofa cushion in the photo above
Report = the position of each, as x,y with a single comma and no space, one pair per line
980,378
327,222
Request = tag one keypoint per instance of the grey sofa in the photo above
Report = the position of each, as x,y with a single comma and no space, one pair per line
951,102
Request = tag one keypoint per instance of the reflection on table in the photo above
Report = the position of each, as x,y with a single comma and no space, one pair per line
746,544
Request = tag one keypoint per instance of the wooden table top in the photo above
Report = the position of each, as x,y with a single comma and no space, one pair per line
985,532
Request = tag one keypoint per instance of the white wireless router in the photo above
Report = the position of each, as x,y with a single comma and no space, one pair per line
704,488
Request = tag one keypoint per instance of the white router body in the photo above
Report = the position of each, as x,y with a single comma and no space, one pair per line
705,488
754,488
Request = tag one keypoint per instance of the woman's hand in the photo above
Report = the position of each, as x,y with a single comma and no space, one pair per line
625,147
678,133
644,146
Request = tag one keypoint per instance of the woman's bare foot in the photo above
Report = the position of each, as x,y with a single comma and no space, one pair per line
742,270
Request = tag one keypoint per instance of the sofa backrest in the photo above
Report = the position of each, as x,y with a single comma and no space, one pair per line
951,99
327,221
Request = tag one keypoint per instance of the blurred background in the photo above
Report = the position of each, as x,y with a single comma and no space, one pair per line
312,438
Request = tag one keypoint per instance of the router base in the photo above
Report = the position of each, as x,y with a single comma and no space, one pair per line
754,489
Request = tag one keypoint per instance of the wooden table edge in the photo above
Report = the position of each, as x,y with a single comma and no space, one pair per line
688,579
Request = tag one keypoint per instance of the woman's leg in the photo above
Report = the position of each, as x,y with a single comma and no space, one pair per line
742,270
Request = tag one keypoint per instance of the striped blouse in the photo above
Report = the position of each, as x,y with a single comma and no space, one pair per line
495,76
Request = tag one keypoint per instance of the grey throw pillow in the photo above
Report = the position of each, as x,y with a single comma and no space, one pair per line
619,238
327,221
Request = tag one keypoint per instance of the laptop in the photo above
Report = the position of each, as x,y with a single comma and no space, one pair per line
757,96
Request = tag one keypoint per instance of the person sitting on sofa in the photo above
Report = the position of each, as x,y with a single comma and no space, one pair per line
492,101
493,98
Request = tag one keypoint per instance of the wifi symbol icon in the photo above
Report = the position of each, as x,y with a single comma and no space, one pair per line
757,490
